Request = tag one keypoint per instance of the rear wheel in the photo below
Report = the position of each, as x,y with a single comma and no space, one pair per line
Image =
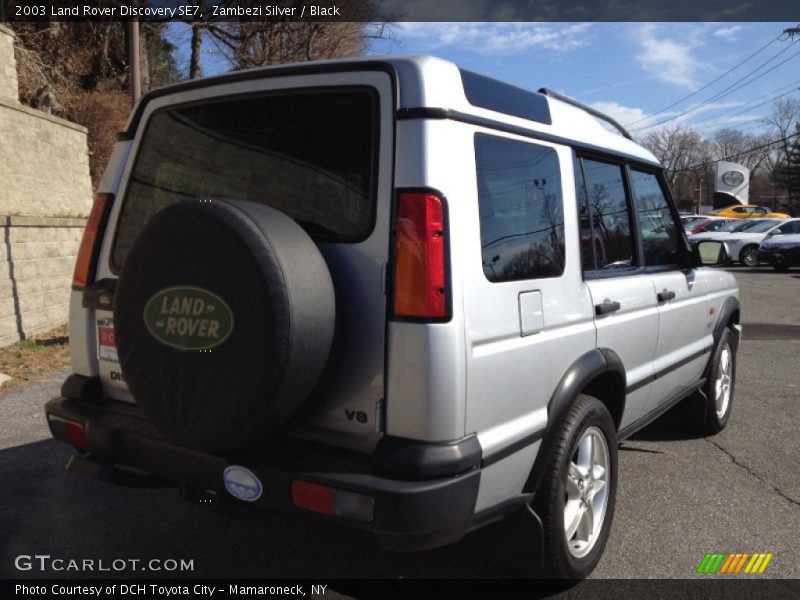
577,497
749,256
720,385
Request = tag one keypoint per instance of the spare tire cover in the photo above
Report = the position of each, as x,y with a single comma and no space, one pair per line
224,316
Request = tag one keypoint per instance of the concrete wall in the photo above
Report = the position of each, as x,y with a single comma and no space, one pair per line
45,197
8,66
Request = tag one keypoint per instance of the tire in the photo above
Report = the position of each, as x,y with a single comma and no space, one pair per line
749,256
263,290
720,386
565,487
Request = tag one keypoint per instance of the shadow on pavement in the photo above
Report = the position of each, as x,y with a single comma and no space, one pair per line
45,510
682,422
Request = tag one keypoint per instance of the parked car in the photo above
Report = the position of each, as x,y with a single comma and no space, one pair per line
782,250
689,221
743,245
357,289
709,225
734,226
747,211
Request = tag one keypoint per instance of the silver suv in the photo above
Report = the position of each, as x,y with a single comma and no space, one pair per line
399,294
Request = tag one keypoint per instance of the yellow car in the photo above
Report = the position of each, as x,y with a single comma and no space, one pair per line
745,211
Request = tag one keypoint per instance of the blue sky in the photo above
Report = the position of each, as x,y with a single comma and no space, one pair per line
629,70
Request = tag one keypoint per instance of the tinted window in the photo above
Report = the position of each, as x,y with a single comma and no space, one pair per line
737,225
611,218
790,227
588,242
521,211
659,232
309,155
715,225
508,99
759,226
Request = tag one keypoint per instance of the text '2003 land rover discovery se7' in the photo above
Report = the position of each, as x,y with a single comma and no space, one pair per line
392,292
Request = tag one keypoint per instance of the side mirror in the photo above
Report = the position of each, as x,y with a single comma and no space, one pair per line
712,254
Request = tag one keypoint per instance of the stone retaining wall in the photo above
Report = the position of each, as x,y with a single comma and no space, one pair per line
45,197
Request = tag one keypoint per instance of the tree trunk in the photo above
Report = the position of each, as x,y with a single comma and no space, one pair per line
194,59
144,63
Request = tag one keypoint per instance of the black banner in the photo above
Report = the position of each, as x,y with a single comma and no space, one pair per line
400,10
701,588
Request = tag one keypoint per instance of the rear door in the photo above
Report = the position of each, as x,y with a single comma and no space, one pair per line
319,148
527,313
626,315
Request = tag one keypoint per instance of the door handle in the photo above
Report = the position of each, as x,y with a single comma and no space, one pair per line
666,295
606,307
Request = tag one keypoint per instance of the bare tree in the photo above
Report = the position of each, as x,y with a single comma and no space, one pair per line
738,146
688,158
259,43
781,122
678,148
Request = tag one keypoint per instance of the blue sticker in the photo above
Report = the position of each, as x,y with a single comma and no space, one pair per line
242,483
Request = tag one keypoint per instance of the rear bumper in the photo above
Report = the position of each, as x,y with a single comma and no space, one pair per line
409,513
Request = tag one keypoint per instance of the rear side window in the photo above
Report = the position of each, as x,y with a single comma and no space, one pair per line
521,209
659,231
309,154
601,193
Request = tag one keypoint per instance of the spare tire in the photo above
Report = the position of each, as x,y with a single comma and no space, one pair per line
224,315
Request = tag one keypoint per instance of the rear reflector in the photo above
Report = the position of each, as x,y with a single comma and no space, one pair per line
419,285
329,501
86,264
68,431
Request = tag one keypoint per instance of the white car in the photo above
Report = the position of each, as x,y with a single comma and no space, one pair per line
735,226
743,244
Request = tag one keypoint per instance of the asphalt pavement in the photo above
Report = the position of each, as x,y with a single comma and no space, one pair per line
680,495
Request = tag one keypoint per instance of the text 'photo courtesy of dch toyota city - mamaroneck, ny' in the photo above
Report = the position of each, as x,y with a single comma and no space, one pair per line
390,299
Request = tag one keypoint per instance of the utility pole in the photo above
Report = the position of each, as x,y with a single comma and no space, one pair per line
133,59
699,191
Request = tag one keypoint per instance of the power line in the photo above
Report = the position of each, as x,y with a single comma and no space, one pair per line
710,83
728,89
715,121
738,154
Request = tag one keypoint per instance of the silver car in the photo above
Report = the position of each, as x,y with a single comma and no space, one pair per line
392,292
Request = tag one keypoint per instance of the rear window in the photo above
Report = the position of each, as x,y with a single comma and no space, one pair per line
309,154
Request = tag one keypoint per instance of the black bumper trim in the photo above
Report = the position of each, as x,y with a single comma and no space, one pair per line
409,514
412,458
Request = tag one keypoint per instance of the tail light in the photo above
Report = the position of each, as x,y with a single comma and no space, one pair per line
68,431
86,265
332,502
420,285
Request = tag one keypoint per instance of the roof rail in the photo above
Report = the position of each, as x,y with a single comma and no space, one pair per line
588,109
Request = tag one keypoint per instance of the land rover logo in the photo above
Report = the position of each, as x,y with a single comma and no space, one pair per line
188,318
